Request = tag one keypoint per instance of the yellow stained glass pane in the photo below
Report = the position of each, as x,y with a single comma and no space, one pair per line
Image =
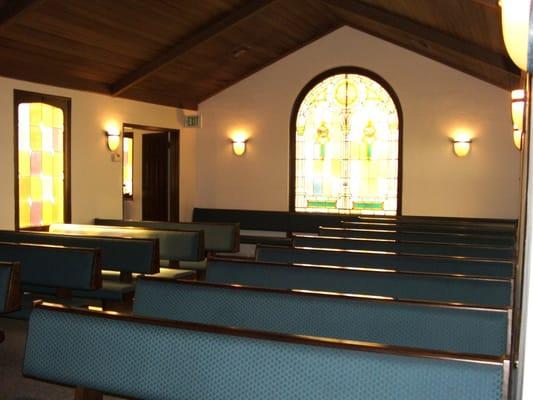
35,188
24,164
58,164
47,163
47,115
47,213
58,118
24,189
35,114
24,214
36,138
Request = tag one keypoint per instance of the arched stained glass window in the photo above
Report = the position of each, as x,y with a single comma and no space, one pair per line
346,129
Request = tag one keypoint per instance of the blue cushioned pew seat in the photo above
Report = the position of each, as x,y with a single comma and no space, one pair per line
158,359
380,259
419,236
408,247
487,292
452,328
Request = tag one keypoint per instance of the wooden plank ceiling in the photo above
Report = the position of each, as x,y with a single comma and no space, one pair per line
179,53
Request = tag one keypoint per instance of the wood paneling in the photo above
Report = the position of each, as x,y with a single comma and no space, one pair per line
179,53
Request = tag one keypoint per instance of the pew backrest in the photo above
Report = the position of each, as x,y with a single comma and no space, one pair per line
55,266
451,328
347,243
382,259
219,237
143,358
429,237
10,289
416,226
173,245
485,292
118,253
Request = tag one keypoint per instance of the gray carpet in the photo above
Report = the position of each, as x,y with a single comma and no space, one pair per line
13,386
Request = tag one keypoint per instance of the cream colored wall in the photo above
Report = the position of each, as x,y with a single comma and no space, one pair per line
436,100
96,180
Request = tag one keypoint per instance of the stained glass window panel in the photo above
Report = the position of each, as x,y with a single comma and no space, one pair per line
347,140
40,164
127,166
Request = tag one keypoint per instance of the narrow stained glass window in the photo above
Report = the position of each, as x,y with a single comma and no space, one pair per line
347,137
40,164
127,165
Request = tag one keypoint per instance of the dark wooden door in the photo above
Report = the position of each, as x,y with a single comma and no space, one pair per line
155,188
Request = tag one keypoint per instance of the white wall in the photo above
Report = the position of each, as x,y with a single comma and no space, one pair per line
436,100
96,180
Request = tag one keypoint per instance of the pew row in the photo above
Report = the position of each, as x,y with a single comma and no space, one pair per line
173,245
457,329
416,226
456,221
483,292
159,359
382,259
10,291
419,236
218,237
53,270
348,243
123,255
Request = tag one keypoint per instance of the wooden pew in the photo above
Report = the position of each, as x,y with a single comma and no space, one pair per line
148,358
456,221
408,247
174,246
419,236
381,259
219,237
123,255
484,292
10,291
53,270
429,326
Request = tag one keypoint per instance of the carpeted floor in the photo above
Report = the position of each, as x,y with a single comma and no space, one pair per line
13,386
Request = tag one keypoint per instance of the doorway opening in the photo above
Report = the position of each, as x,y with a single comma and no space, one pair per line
150,173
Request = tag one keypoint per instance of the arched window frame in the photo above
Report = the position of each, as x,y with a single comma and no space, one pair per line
64,103
294,114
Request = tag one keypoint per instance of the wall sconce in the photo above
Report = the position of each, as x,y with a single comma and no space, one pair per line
113,138
517,138
461,146
239,146
516,20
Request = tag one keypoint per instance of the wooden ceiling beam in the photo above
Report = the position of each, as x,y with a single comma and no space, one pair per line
425,33
487,3
207,32
14,9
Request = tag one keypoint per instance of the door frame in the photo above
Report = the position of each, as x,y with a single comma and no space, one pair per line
174,167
